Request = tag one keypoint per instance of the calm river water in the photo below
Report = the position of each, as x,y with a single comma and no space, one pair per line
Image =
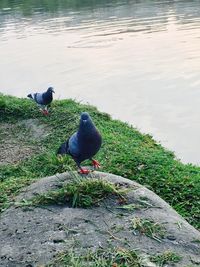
137,60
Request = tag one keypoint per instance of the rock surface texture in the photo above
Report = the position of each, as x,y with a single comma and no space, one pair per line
32,236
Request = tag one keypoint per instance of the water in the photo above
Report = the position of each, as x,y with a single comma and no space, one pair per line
137,60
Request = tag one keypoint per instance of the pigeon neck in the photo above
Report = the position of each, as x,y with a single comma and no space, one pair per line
48,95
86,128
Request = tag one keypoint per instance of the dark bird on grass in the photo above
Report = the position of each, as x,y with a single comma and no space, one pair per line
43,99
83,144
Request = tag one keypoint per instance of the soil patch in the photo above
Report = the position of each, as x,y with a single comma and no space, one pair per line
21,140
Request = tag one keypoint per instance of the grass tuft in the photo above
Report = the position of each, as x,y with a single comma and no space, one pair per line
165,258
79,193
118,257
149,228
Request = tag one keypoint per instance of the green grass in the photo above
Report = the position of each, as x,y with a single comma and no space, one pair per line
141,204
119,257
165,258
125,152
149,228
82,193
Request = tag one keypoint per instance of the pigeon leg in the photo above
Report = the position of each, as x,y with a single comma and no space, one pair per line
95,164
83,170
44,111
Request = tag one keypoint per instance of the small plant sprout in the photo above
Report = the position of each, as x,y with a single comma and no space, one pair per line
148,227
118,257
165,258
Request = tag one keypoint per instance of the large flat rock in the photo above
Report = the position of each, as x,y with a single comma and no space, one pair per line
32,236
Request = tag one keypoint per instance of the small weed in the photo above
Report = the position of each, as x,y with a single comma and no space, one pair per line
165,258
117,228
79,193
129,207
179,224
119,257
196,241
141,204
149,228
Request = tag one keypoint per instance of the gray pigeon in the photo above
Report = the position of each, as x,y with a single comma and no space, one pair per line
43,99
83,144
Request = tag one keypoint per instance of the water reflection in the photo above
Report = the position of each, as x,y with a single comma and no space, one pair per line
137,60
119,16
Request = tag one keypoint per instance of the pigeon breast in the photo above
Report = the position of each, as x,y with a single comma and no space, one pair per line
89,140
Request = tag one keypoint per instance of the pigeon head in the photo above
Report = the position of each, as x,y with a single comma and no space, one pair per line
85,117
50,90
86,121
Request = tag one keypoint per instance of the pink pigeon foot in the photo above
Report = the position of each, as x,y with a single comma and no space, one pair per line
45,112
95,164
84,171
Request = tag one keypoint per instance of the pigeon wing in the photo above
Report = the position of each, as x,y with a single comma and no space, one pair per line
38,98
73,145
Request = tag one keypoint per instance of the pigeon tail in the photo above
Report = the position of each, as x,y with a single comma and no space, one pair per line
30,96
63,149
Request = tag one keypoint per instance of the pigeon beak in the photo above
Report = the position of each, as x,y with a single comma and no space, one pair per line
53,91
84,121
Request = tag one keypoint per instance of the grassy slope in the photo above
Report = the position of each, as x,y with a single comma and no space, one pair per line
125,152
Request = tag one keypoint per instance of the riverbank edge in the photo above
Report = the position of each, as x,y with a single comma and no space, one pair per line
125,152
